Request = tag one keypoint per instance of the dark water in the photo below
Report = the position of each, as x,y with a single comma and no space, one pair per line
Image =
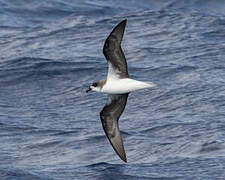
51,50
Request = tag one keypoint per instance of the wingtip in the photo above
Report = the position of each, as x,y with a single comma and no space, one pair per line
122,155
117,145
118,31
125,159
116,141
124,22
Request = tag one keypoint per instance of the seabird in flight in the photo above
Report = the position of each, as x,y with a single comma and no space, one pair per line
117,85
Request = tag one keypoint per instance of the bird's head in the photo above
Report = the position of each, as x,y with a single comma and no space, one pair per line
94,87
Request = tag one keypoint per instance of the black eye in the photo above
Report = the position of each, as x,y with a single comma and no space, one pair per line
94,84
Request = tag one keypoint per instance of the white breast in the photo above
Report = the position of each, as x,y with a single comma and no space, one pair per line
122,86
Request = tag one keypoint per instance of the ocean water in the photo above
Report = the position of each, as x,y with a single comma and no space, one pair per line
50,51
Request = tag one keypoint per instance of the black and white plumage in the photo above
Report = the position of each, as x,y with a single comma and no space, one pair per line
118,85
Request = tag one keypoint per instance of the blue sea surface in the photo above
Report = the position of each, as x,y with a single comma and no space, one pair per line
50,52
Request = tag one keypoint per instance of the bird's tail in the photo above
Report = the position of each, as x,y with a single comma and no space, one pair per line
150,84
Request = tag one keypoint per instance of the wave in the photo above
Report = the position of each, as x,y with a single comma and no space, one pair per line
38,11
17,173
211,146
29,68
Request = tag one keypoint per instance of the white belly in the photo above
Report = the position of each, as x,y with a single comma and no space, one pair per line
122,86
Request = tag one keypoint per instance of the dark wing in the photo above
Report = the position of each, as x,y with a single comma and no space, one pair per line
110,116
114,53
